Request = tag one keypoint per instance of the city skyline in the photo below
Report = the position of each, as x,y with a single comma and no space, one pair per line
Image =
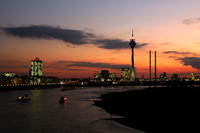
77,39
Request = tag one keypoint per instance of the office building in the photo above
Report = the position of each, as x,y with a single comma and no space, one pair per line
163,76
104,75
125,73
112,75
36,71
97,76
192,76
8,74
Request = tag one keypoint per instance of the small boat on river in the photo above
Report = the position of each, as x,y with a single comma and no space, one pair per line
62,99
21,98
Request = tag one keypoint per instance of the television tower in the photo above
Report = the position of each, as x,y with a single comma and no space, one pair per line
132,44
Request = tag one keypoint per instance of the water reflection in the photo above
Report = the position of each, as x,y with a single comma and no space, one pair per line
44,113
36,110
63,104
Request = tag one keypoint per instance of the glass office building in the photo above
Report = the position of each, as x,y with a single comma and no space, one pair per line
125,73
36,71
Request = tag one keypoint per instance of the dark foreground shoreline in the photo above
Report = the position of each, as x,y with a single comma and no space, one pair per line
155,109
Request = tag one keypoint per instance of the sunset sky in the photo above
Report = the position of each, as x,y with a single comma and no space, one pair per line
75,39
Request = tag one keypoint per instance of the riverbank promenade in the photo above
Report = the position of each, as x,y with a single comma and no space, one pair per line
178,84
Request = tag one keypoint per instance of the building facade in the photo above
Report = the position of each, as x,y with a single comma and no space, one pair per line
125,73
36,71
8,74
97,76
192,76
163,76
104,75
112,75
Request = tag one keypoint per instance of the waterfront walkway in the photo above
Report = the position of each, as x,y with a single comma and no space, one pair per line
100,83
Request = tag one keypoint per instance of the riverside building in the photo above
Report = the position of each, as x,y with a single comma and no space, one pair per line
125,73
36,71
8,74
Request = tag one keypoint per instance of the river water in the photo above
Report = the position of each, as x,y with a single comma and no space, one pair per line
43,113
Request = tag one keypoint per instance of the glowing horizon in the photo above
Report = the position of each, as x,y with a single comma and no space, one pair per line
77,42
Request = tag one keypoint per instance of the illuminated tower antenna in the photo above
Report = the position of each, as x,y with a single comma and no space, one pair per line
132,44
132,33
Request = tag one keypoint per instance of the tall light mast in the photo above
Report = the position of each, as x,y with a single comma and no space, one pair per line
132,44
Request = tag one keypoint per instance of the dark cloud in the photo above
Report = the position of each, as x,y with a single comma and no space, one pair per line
25,66
90,64
193,61
175,52
49,32
75,37
52,66
74,69
68,45
167,43
1,33
100,65
172,56
8,67
139,45
63,61
115,44
44,73
88,29
111,43
191,21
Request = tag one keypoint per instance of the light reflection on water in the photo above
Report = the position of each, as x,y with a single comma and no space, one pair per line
43,112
